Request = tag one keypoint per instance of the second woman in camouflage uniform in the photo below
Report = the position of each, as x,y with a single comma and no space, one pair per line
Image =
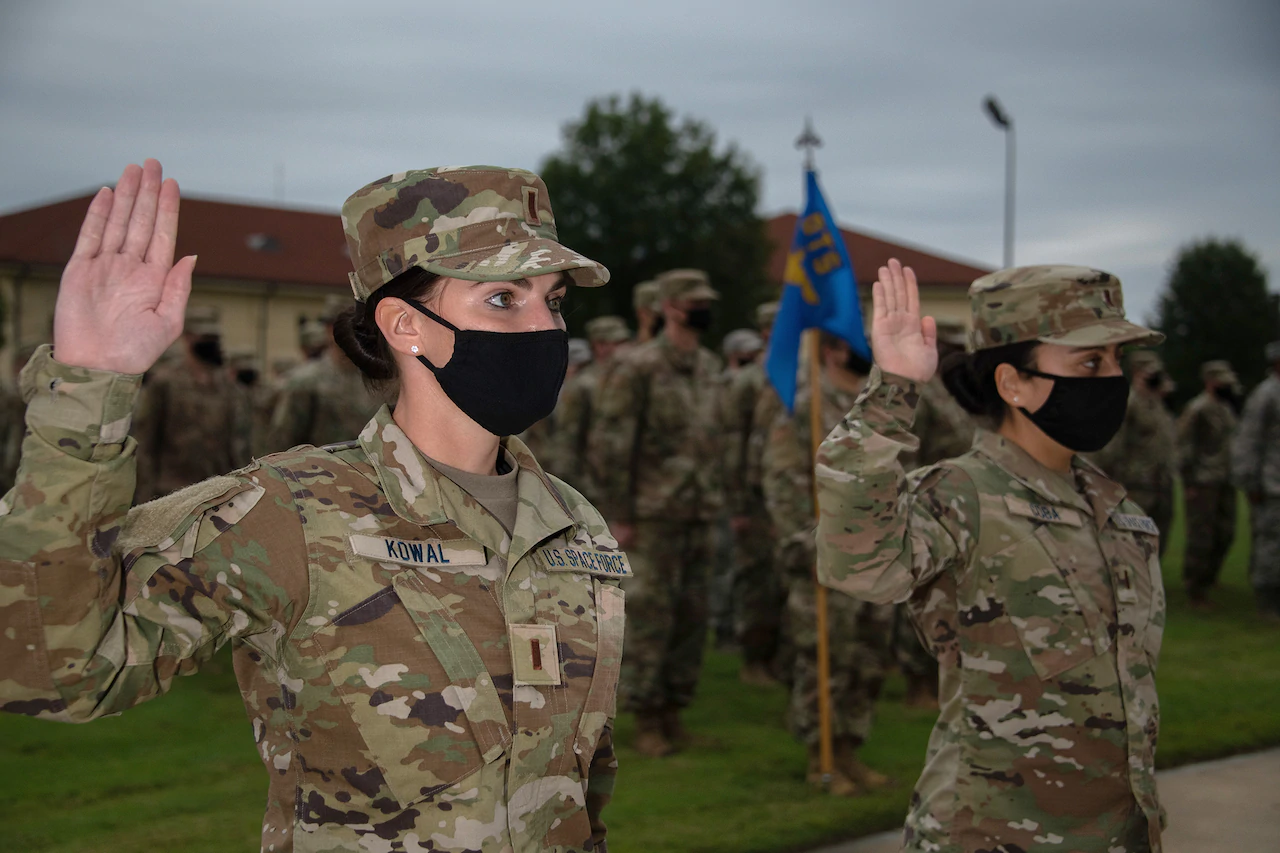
1033,578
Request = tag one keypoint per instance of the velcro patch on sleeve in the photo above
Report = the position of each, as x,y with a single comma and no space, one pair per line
434,553
571,558
1047,513
1136,523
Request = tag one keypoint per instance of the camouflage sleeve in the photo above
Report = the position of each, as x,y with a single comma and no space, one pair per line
100,607
738,408
881,534
614,440
1247,445
787,472
1188,442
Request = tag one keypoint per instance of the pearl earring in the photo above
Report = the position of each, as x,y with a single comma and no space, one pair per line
413,349
1015,399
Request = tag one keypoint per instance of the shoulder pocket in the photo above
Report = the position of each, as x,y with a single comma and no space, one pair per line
179,525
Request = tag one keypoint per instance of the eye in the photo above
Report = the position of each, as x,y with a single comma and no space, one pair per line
501,299
555,303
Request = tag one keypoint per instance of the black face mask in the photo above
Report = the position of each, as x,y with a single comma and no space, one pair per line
1228,396
1082,413
659,323
857,364
698,319
504,381
247,377
1155,380
208,350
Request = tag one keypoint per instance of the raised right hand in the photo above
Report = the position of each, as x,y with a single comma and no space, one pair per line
122,298
902,342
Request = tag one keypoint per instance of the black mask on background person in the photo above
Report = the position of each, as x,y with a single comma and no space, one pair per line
208,350
1228,395
504,381
658,323
247,376
1082,413
1155,380
698,319
857,363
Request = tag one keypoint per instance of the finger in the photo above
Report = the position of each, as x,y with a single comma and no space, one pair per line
165,237
121,208
913,291
929,331
886,284
878,311
899,285
142,220
95,222
177,287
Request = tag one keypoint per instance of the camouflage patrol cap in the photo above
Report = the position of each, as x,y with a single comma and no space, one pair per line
742,342
608,329
312,333
579,351
1056,304
1145,360
648,295
1273,352
686,284
479,223
201,321
1219,371
333,306
766,313
243,359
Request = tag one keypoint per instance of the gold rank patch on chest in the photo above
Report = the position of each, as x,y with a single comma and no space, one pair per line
1135,523
535,656
428,553
571,558
1047,513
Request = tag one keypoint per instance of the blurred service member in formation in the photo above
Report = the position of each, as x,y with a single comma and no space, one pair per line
578,401
388,718
655,445
759,591
740,348
193,421
1036,582
1143,457
13,425
945,431
324,400
1205,429
646,300
541,438
860,632
1255,466
242,367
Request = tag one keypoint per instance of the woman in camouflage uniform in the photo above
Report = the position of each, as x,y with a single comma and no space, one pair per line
426,627
1035,581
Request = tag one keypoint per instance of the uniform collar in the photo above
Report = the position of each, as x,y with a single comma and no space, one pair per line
421,495
1102,495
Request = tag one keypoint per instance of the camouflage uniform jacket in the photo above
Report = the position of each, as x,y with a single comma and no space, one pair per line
1255,454
377,615
1045,609
1205,428
574,414
656,440
1144,453
322,402
189,428
742,480
12,428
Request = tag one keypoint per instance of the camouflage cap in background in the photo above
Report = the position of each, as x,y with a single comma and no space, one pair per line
1273,352
479,223
647,295
201,321
742,342
609,329
333,306
312,333
1145,361
1056,304
766,313
579,352
686,284
242,359
1219,371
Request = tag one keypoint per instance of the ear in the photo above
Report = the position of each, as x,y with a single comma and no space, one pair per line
401,326
1010,385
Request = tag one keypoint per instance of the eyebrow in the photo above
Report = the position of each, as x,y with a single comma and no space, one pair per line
524,284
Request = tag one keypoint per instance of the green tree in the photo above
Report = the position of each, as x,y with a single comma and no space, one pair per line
1216,306
642,194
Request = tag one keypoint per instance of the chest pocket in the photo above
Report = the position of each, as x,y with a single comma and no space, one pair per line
429,717
1040,583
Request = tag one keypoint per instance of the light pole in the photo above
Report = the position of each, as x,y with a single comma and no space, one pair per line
1002,121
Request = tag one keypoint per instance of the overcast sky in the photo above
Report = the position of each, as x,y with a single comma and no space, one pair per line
1140,125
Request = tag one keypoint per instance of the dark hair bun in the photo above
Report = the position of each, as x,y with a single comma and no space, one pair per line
356,333
971,377
957,376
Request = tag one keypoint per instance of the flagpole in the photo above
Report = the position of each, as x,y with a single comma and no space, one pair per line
826,753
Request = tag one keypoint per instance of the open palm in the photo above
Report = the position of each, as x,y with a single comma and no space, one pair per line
902,341
122,298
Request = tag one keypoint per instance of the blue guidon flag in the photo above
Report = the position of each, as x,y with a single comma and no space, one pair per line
819,292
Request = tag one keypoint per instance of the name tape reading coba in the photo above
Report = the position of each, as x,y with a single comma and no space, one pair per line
570,558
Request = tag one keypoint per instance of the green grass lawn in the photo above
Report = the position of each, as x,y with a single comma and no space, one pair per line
181,773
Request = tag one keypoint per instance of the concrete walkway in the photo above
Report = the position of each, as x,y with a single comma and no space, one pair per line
1227,806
